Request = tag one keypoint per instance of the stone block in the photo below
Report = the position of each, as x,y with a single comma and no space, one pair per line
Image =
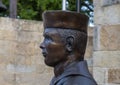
89,62
7,48
23,60
31,26
33,79
107,38
44,78
110,37
106,14
25,49
96,38
106,59
42,68
6,78
24,36
108,84
91,69
4,60
21,25
17,68
102,3
8,35
100,75
110,2
89,48
114,76
111,84
28,49
97,3
90,31
7,24
37,59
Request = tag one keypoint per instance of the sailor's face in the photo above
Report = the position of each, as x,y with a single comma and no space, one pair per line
53,49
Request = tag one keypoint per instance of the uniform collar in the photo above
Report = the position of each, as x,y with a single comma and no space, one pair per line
75,68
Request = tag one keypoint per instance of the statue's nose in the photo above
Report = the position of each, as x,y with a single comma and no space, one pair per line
42,45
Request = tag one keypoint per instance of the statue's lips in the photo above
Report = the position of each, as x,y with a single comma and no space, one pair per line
44,54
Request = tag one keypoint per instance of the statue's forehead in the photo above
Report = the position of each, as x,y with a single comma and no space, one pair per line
51,31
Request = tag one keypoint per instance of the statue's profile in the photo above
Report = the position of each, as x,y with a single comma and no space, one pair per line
64,45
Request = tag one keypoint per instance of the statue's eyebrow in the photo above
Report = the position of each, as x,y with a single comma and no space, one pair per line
45,33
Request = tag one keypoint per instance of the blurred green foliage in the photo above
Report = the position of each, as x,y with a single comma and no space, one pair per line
32,9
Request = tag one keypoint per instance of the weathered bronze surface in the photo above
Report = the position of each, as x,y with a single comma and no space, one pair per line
63,48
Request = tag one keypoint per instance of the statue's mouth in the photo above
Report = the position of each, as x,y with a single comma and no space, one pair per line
44,54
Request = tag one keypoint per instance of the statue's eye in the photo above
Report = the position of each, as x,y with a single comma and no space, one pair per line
48,38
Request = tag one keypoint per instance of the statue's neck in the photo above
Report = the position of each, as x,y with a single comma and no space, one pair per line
59,69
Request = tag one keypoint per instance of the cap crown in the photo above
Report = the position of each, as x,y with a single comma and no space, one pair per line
65,20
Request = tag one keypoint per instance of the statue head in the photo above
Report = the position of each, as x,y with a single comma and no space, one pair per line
65,37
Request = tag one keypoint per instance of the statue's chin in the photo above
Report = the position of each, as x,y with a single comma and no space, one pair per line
51,64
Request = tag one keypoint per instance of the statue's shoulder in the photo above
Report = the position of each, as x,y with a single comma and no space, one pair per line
77,80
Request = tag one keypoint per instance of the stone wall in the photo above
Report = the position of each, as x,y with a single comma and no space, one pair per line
106,55
21,62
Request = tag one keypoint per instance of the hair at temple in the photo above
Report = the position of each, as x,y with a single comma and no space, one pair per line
80,40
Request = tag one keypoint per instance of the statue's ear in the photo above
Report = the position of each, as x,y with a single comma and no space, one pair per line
69,43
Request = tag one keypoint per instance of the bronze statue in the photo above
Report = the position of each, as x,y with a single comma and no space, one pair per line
65,38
